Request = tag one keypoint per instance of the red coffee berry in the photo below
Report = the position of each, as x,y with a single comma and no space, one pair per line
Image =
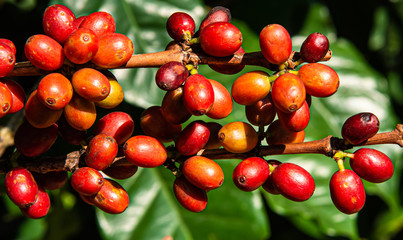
275,43
145,151
293,182
39,115
198,94
44,52
6,100
21,187
41,206
87,181
314,48
192,138
112,198
372,165
7,59
213,141
171,75
114,50
101,151
100,23
250,173
118,125
18,95
203,172
347,191
222,105
58,22
319,80
288,93
178,24
189,196
91,84
55,91
359,127
220,39
81,46
9,43
295,121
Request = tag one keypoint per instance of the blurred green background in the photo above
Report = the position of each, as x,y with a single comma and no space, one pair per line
366,39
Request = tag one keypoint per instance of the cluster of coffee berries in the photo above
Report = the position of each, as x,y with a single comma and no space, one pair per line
64,104
346,187
66,98
285,94
276,103
12,95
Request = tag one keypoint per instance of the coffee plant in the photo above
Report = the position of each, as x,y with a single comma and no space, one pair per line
102,114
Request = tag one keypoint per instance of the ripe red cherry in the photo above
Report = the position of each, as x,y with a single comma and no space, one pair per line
100,23
9,43
319,80
58,22
178,24
145,151
295,121
359,127
250,173
288,93
7,59
372,165
314,48
18,95
198,94
220,39
55,91
87,181
293,182
222,105
347,191
189,196
44,52
119,125
41,206
6,100
203,172
101,151
112,198
192,138
81,46
21,187
275,43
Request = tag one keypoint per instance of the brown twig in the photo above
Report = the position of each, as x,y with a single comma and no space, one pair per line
327,146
